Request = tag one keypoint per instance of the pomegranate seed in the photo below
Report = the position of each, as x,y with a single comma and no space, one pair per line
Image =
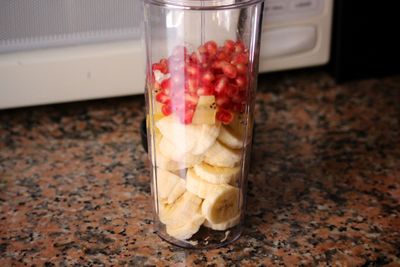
192,70
241,81
191,100
242,58
221,55
164,65
205,90
232,90
229,45
194,58
202,49
156,66
224,116
207,77
211,47
166,84
220,85
238,107
163,98
187,117
166,109
229,70
241,68
191,85
223,102
218,64
239,47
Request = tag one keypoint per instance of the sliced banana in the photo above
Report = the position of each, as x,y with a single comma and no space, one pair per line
231,139
164,162
221,156
208,136
224,225
183,137
187,230
169,186
221,205
198,186
186,159
181,211
216,175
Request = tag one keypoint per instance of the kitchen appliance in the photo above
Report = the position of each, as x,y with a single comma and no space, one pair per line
68,50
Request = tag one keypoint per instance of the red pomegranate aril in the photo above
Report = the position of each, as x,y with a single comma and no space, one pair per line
238,107
232,90
163,98
186,116
191,85
229,70
191,100
156,66
220,85
166,109
207,77
202,49
224,116
241,81
211,47
166,84
229,45
242,58
205,90
223,102
239,47
241,68
221,55
192,70
164,65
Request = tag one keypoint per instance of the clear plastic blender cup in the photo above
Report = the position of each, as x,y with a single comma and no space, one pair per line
202,65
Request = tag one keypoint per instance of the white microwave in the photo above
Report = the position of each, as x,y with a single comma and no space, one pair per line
69,50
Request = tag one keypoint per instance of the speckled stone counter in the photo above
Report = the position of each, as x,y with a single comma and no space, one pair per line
324,188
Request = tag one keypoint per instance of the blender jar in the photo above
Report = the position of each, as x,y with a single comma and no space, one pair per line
202,66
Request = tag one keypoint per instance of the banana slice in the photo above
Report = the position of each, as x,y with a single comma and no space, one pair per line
221,205
188,229
221,156
183,158
208,136
183,137
169,186
228,137
224,225
198,186
216,175
181,211
165,163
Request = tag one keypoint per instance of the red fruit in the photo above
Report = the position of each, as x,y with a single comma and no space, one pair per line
218,64
239,47
166,84
241,68
205,90
232,90
241,81
186,116
238,107
223,102
224,116
191,85
163,98
229,70
211,47
242,58
220,85
229,45
202,49
164,64
156,86
207,77
166,109
221,55
192,70
191,100
157,66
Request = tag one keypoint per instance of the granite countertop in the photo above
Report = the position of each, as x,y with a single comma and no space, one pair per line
324,188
